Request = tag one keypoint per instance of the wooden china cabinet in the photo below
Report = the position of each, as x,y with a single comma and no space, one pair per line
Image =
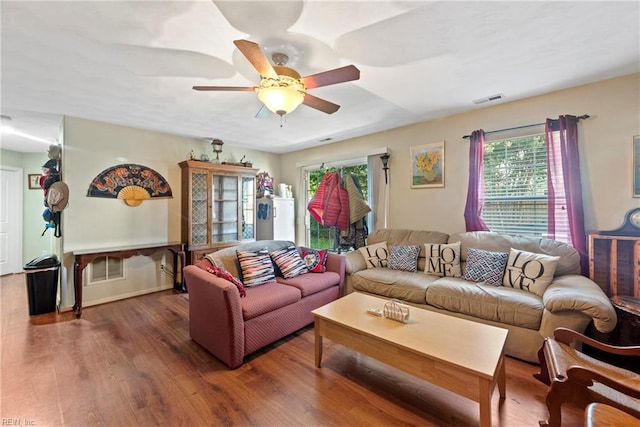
218,207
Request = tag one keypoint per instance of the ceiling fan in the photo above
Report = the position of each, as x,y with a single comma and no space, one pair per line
281,88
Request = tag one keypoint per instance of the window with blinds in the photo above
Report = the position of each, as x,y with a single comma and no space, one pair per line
515,176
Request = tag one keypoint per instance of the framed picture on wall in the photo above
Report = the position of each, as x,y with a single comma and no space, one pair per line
427,165
636,166
34,181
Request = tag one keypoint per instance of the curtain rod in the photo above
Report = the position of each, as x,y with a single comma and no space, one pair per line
582,117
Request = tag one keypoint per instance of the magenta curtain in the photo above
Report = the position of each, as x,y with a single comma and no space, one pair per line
475,193
564,186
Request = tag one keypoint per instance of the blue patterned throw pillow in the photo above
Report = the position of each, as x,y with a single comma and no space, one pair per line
404,258
485,266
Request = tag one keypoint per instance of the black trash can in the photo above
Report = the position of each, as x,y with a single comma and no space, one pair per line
42,284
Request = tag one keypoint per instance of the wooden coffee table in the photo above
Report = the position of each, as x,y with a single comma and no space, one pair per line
459,355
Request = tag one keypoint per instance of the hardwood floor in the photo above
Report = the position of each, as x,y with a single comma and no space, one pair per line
132,362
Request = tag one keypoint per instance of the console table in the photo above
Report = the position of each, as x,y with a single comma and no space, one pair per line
85,256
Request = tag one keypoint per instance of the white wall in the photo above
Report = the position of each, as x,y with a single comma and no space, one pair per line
605,149
97,223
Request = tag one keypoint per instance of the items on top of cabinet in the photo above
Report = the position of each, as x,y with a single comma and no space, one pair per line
217,148
264,184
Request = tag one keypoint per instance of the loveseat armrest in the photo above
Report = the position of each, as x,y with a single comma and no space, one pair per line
215,315
336,263
579,293
355,262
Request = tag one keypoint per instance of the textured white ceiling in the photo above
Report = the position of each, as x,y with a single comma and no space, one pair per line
134,63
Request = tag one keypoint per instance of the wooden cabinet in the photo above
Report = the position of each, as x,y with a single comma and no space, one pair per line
614,263
218,207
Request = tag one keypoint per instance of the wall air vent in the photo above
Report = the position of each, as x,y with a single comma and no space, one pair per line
488,99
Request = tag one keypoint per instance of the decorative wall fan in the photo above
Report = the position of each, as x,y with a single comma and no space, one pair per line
281,88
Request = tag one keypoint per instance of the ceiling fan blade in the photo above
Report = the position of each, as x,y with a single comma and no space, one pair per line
263,112
320,104
326,78
226,88
254,54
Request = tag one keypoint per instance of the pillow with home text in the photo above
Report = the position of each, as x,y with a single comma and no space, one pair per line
442,259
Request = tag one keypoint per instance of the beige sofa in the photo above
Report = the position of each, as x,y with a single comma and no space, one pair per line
571,300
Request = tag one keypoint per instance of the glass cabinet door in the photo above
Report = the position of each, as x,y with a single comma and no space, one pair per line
224,203
199,204
248,208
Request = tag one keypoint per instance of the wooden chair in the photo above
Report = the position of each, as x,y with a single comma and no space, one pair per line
577,378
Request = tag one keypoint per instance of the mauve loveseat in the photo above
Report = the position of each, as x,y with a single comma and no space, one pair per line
232,327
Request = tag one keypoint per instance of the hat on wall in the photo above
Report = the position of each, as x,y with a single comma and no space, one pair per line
54,151
58,196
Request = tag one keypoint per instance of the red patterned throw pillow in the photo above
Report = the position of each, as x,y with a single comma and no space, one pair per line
315,259
224,274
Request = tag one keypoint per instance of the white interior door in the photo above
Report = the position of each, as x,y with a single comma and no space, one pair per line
10,220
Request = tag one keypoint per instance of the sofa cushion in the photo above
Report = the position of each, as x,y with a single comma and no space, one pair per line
485,266
266,298
442,259
375,255
402,285
309,284
256,267
289,261
404,257
529,271
315,259
500,304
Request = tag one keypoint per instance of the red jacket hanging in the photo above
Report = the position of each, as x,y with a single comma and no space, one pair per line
330,205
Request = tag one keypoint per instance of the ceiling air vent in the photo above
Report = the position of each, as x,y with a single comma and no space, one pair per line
488,99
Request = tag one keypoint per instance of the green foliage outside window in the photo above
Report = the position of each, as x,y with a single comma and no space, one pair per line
515,175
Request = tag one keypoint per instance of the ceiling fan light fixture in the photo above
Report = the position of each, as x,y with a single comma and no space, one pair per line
281,99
